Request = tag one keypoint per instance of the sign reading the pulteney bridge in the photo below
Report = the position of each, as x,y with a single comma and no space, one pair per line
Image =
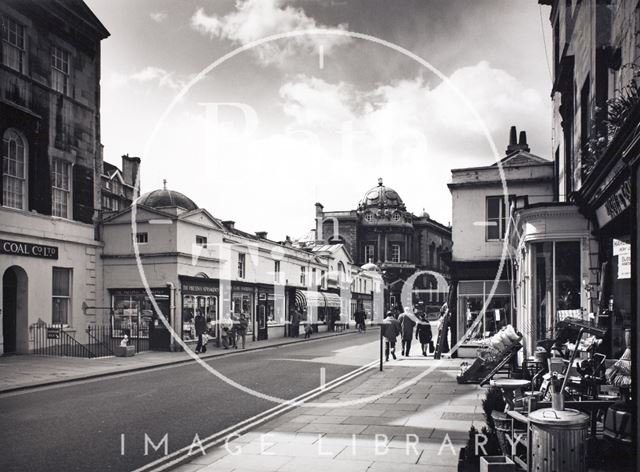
18,248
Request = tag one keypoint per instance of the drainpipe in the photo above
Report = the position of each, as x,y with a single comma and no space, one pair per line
172,309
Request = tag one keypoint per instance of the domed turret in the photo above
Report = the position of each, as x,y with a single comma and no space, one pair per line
165,198
381,197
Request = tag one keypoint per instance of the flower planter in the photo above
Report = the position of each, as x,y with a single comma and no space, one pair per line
496,464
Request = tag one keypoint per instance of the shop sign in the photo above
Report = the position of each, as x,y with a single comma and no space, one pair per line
17,248
132,292
622,251
615,204
241,288
199,286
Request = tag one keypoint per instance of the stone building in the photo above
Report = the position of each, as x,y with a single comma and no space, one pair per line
52,161
120,186
382,231
482,222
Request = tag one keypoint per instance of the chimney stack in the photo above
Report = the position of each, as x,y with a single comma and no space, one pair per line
514,145
130,169
261,234
522,143
229,224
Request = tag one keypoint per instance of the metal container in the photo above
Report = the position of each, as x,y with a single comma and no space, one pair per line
558,440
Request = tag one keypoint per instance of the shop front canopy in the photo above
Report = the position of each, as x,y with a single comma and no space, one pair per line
312,299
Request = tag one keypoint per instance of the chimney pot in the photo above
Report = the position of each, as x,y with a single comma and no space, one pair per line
512,136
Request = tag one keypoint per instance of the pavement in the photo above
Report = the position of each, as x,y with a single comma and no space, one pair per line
420,426
19,372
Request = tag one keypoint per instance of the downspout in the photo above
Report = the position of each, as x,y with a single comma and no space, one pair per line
172,309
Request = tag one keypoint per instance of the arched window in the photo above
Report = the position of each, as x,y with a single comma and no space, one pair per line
14,170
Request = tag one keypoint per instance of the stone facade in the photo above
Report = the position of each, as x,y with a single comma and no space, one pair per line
381,230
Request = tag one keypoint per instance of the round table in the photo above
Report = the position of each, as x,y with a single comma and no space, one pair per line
509,388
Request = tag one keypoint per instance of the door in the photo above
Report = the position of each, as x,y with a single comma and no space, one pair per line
263,332
9,310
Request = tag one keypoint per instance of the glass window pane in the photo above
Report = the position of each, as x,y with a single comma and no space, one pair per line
61,282
567,275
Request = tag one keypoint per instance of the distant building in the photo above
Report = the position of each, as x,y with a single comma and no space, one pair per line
120,186
51,166
381,230
481,220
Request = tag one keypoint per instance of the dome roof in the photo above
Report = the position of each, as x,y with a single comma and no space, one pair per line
381,197
165,198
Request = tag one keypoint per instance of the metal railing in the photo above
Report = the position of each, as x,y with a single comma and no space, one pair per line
101,341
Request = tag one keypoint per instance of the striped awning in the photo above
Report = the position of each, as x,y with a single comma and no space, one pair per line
333,300
312,299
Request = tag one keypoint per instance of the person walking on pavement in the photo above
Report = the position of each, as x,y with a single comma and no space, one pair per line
423,331
295,323
359,319
228,338
243,324
390,331
200,324
407,322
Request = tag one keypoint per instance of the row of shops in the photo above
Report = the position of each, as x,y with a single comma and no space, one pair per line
136,312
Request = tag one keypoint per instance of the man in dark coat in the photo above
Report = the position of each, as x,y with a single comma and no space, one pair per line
390,332
407,322
423,331
200,325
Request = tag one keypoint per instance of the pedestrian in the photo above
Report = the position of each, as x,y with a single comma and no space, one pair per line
200,325
359,319
308,329
390,331
407,323
243,325
227,332
443,327
295,323
423,332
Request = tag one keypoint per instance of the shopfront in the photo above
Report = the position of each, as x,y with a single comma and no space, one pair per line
472,297
243,300
199,293
133,315
613,214
362,301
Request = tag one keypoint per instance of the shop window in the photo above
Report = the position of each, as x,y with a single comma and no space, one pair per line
142,238
208,306
303,276
14,170
61,302
556,284
395,253
60,70
13,44
242,259
61,189
201,241
243,303
133,312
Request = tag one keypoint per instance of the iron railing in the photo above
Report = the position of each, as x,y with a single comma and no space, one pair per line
101,340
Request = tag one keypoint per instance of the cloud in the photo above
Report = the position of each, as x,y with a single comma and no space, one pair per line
159,76
255,19
158,16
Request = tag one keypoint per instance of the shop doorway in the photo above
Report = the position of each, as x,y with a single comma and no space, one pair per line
14,309
263,331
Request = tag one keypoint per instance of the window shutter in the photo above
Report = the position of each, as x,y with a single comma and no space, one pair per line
82,194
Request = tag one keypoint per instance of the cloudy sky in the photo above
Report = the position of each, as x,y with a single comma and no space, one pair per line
265,134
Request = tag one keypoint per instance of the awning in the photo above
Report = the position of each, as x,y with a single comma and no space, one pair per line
310,299
318,299
333,300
